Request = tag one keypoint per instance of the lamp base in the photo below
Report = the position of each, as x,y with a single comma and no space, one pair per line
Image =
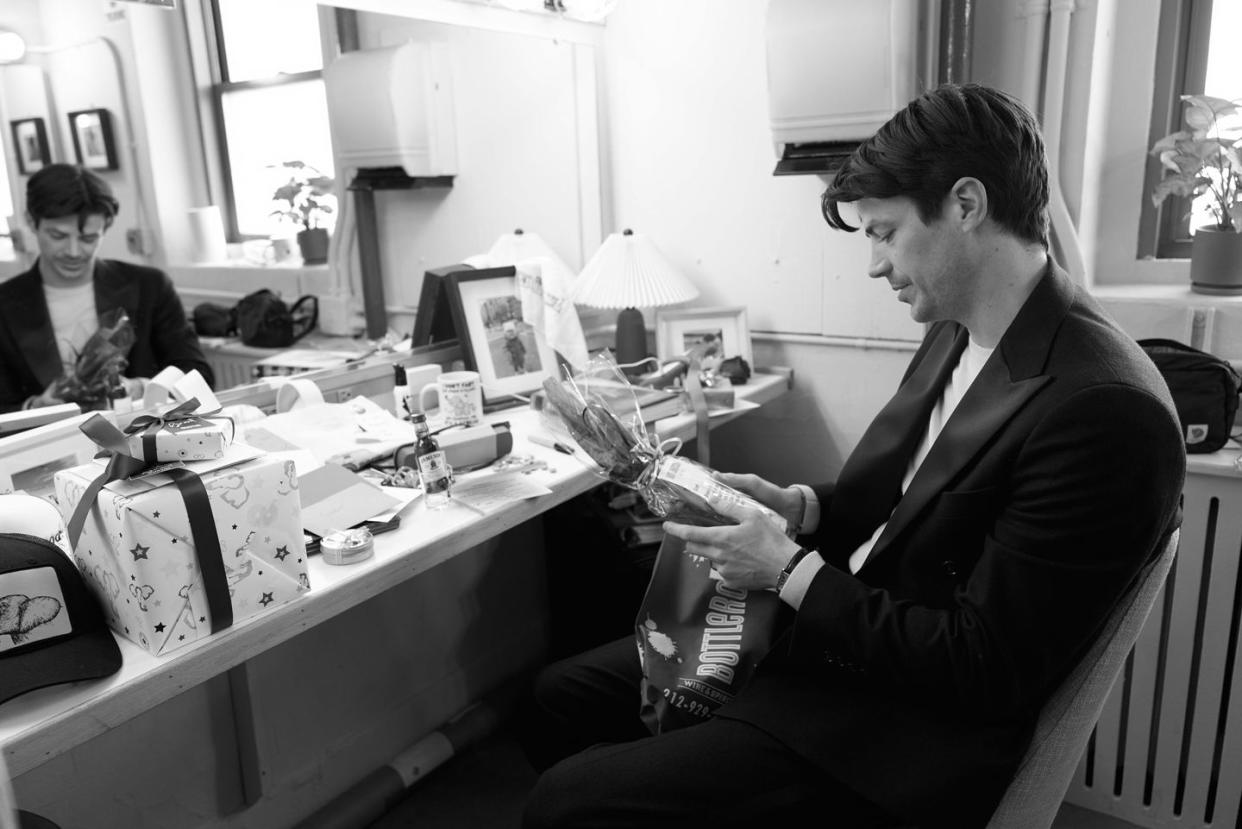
631,339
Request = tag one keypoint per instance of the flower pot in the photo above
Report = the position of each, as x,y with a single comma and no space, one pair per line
313,244
1216,261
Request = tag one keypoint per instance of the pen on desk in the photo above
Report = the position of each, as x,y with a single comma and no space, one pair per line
544,440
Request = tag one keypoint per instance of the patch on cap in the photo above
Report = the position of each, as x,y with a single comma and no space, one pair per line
52,629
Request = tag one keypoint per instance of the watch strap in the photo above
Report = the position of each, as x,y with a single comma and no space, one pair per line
789,567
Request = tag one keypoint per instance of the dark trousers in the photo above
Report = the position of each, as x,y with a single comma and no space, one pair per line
603,768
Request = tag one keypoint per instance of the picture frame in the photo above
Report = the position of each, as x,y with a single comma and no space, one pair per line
30,142
495,341
29,459
680,329
433,321
93,142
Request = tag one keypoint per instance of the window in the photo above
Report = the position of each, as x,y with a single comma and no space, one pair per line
270,106
1194,55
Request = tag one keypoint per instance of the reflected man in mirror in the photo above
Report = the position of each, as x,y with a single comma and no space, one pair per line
50,313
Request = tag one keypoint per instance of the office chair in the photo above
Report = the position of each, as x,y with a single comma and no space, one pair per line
1066,720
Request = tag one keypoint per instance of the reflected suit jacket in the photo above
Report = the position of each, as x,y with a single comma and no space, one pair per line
29,358
917,680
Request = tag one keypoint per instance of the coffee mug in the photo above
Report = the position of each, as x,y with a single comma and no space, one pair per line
461,397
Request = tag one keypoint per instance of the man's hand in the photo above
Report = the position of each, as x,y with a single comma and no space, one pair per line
749,554
135,387
49,397
786,502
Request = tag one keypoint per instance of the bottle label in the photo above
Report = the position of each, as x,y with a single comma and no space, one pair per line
433,471
699,480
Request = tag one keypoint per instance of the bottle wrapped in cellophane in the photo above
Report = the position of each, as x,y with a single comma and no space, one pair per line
600,410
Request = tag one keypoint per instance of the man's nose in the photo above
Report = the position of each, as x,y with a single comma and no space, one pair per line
878,268
75,246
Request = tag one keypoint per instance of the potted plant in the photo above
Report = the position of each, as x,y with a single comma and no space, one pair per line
1206,158
309,198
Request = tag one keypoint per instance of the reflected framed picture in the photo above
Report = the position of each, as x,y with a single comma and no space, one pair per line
29,459
30,143
495,340
720,333
93,143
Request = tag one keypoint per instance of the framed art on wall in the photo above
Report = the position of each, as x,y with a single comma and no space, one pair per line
495,340
93,143
30,143
721,332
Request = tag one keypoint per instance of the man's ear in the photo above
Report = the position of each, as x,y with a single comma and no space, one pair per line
968,203
32,221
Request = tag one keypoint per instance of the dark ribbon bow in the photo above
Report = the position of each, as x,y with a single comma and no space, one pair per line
193,493
182,416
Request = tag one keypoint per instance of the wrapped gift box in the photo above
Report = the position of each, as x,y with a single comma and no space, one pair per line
193,438
136,549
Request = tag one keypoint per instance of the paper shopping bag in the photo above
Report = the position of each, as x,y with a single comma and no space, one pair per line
699,641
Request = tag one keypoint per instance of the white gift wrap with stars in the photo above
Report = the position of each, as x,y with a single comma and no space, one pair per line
137,554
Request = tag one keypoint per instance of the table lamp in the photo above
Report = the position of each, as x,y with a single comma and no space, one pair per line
629,272
519,246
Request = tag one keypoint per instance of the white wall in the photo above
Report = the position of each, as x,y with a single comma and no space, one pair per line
691,166
516,113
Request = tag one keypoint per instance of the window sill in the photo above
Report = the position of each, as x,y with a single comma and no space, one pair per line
240,277
1173,295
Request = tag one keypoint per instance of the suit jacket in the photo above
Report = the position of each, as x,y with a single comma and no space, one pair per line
917,680
29,358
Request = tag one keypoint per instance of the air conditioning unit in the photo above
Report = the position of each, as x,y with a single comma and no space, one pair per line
837,70
393,107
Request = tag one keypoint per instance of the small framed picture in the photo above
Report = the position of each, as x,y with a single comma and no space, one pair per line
93,143
29,459
30,141
495,341
719,333
433,322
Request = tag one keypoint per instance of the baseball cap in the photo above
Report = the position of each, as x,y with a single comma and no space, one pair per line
52,629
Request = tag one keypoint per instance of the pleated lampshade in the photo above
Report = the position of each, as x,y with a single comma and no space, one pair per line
521,245
629,272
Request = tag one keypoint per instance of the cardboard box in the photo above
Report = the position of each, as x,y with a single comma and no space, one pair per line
137,553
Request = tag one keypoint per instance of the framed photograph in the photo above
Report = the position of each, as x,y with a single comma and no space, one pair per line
433,321
30,141
722,331
30,458
93,143
495,342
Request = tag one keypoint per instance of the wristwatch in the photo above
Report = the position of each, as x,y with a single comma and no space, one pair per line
794,560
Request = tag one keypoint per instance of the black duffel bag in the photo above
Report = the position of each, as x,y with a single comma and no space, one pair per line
264,320
1204,388
213,320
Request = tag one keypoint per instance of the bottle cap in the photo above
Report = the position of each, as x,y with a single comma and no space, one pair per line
398,375
418,417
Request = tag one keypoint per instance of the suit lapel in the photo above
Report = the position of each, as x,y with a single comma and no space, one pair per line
113,290
27,317
870,481
1012,375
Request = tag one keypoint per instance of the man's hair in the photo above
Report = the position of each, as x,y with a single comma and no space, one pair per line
60,190
944,135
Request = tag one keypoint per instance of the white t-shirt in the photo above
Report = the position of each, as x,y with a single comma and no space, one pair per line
73,319
968,367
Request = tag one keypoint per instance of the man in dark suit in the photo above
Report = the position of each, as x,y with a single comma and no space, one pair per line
977,537
50,311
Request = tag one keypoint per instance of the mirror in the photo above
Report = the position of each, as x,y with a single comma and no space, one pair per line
525,121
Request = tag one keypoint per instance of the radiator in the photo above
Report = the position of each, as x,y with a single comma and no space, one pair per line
1167,751
230,369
